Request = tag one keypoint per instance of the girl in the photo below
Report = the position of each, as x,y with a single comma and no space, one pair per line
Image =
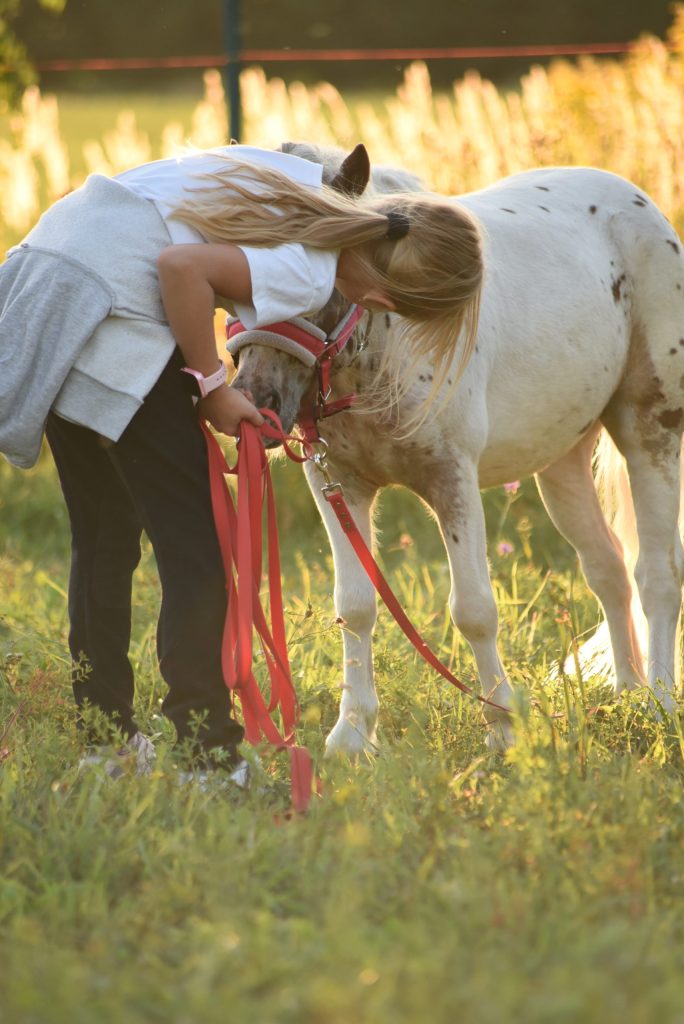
106,334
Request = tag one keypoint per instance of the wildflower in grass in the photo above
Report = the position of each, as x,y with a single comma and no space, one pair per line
404,542
512,488
504,547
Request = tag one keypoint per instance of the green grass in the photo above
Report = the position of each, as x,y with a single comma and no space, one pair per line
437,883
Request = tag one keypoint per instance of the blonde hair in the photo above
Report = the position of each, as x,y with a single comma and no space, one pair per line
434,278
432,274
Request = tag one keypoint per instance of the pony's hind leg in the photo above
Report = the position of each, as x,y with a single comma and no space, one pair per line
645,418
354,731
651,449
568,492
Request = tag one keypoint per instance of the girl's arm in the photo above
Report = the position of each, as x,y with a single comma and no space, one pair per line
189,277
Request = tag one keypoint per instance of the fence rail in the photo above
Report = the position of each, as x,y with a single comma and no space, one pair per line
256,56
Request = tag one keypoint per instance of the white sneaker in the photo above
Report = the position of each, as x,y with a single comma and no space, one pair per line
136,757
217,778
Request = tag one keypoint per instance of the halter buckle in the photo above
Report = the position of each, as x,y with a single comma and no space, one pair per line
321,463
329,489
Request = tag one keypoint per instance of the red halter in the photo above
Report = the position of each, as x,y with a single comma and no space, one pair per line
311,345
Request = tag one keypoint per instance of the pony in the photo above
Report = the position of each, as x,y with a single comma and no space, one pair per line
581,332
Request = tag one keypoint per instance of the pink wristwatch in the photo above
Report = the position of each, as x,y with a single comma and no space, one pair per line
202,386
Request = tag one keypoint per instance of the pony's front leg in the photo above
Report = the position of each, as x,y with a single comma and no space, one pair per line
354,731
458,507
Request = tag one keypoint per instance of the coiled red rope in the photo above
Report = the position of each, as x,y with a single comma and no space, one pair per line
240,538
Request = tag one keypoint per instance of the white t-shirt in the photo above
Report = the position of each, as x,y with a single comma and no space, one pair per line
287,280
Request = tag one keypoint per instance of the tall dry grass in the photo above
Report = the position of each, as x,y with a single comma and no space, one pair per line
626,116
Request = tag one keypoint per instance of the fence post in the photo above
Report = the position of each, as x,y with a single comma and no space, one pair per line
232,43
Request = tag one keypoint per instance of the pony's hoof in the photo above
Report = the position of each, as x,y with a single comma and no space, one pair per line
348,740
500,737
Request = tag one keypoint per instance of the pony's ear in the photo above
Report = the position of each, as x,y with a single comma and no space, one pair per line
354,174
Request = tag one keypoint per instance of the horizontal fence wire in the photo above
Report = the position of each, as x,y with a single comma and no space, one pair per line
302,56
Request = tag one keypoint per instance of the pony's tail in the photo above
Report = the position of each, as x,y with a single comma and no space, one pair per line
612,484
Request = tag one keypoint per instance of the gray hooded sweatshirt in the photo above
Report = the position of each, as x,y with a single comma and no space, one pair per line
76,279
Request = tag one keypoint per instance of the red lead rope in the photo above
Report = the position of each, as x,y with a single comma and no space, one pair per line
335,498
240,539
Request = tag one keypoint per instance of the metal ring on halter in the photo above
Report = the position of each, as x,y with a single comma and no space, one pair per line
320,456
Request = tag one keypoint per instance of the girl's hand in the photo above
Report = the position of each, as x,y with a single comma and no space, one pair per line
226,407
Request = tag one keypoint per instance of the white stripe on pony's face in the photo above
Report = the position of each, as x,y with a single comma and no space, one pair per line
277,380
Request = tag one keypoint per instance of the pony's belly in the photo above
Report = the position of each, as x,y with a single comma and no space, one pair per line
515,461
546,388
520,449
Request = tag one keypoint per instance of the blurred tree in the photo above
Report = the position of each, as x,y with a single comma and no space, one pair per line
17,70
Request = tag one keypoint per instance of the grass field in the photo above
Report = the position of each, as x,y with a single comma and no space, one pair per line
438,883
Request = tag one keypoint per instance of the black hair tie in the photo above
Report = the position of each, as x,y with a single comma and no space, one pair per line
398,226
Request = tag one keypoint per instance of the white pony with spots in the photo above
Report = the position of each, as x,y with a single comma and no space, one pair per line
581,330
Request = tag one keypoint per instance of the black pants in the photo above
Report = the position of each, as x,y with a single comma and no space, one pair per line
154,478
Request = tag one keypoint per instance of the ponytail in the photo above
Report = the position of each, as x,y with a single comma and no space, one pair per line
223,208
